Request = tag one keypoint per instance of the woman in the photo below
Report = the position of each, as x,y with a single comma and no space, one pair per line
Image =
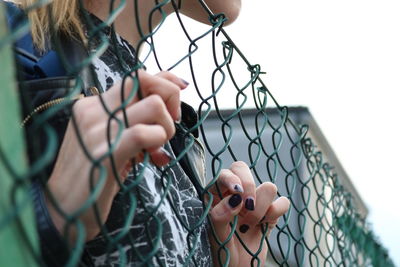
147,123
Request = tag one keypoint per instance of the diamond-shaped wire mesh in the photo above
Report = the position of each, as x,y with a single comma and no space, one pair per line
321,228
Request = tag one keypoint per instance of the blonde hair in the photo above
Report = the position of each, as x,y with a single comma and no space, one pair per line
64,18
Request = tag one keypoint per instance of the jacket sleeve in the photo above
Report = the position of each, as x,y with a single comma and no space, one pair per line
53,247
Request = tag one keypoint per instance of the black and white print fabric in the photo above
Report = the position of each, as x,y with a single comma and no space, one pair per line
118,59
164,205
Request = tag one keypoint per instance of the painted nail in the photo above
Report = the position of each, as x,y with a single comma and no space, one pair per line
235,200
166,152
238,188
185,82
249,204
244,228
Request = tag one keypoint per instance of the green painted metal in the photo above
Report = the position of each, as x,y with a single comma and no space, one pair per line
364,240
18,237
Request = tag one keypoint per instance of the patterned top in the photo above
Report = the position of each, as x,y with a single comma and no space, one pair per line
165,206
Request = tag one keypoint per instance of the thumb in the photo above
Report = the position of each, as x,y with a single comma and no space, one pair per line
223,213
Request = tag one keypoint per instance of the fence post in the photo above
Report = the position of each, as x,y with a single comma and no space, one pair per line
18,238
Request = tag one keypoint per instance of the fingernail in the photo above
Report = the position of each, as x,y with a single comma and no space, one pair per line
179,116
249,204
166,152
185,82
238,188
244,228
235,200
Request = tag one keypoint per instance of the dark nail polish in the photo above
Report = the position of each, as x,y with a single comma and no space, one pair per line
235,200
185,82
249,204
244,228
238,188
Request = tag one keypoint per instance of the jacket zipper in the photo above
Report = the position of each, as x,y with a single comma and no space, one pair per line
48,105
54,102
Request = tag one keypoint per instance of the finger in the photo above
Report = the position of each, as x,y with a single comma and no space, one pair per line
241,170
150,110
173,78
120,92
265,195
223,213
160,157
137,138
168,90
227,183
276,210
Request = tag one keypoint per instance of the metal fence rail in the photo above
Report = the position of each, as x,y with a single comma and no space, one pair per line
322,227
17,235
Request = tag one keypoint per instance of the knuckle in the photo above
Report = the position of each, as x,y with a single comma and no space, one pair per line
141,136
156,108
138,134
271,188
84,120
214,215
98,153
167,75
239,164
249,184
156,104
93,132
164,73
171,80
79,107
169,134
175,90
164,137
85,113
224,173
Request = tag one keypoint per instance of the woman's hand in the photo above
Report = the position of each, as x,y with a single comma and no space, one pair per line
255,207
150,126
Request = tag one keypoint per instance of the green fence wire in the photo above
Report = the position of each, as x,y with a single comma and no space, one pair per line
322,227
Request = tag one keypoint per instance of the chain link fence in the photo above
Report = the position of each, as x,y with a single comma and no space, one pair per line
322,227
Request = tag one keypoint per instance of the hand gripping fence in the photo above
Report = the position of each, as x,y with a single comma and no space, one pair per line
321,228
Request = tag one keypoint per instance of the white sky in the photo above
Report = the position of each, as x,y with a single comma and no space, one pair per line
341,59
